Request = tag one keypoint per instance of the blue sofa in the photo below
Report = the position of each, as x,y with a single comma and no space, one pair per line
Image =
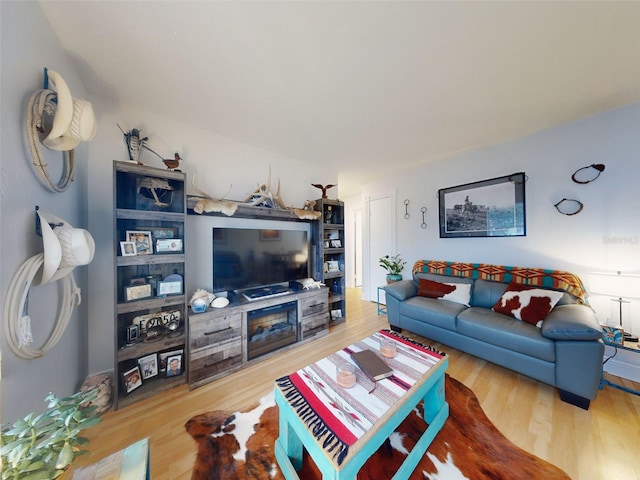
566,351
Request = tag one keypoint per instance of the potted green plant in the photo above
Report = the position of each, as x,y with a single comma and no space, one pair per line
44,446
393,265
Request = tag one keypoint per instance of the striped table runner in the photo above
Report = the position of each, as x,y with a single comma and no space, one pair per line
338,417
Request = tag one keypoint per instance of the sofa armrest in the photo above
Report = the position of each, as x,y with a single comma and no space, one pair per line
402,290
572,322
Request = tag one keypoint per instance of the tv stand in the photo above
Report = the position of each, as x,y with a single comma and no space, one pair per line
218,338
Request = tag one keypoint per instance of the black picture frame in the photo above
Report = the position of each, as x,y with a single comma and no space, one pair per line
489,208
169,245
169,287
137,292
131,379
174,365
149,366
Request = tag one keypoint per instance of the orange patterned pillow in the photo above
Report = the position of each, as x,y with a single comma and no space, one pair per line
453,292
526,303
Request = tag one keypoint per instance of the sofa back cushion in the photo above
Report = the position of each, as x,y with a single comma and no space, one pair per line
486,293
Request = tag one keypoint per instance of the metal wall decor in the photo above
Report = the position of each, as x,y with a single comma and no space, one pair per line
406,209
569,206
424,222
588,174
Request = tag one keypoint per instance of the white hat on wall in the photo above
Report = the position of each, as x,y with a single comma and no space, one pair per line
73,120
65,247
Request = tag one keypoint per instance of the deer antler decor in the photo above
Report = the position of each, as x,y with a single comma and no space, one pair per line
210,204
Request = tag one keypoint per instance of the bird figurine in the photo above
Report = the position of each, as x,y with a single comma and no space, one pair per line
172,164
323,188
134,143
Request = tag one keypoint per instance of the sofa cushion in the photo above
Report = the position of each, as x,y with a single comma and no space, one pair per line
526,303
486,293
572,322
502,331
453,292
401,290
440,313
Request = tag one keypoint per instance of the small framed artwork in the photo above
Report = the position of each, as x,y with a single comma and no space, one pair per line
336,244
148,366
169,287
158,233
142,241
169,245
133,334
128,249
131,379
333,266
174,365
164,356
137,292
489,208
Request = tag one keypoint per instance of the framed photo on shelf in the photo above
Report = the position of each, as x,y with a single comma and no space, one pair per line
138,281
174,365
169,287
164,356
142,240
133,334
169,245
131,379
128,249
159,233
148,366
336,243
489,208
332,266
137,292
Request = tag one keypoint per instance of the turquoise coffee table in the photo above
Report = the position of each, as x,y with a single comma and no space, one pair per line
341,428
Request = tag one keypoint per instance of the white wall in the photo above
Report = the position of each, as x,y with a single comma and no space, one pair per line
25,53
605,236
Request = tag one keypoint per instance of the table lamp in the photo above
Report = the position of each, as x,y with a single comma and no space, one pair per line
618,285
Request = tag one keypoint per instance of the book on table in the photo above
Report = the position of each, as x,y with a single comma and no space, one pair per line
371,364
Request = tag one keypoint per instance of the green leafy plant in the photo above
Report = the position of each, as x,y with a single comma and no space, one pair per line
43,446
392,264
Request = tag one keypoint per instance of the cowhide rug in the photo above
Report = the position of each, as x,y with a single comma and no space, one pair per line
237,445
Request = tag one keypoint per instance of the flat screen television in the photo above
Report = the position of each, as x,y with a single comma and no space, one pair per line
253,257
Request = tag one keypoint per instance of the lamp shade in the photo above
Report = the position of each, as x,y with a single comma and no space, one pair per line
615,284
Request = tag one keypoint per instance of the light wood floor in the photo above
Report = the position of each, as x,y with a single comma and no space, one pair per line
603,442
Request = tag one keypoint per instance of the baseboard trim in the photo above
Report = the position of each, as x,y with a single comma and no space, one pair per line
622,364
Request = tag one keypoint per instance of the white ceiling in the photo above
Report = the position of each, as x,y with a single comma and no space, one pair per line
360,86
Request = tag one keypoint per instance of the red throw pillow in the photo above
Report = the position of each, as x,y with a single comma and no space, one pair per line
526,303
454,292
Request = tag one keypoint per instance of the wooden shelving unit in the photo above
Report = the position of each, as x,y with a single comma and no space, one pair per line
330,267
150,200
